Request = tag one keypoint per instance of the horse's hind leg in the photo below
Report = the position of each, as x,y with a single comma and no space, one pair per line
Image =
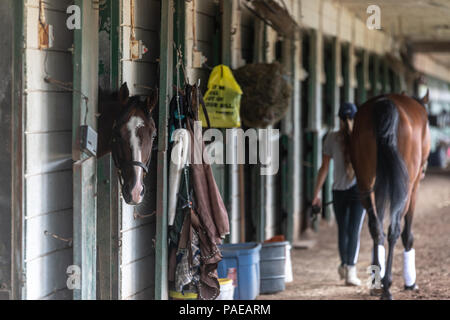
393,235
409,264
376,231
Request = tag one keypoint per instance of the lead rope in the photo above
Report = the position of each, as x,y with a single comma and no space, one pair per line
186,169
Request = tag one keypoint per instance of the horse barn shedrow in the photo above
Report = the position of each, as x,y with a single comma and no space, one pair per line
61,210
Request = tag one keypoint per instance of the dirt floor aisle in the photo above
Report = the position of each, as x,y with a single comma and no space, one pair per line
315,270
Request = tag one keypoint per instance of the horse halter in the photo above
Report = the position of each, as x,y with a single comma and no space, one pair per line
116,151
119,161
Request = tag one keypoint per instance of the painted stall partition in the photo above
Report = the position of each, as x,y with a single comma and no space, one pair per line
47,154
140,20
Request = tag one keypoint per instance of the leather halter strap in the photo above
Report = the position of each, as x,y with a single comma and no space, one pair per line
139,164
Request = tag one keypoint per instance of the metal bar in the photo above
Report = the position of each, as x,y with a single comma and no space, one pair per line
166,81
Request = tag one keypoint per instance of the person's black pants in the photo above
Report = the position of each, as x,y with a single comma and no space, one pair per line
349,214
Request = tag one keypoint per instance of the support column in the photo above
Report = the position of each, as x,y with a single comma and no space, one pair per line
166,81
385,85
230,21
258,179
375,76
362,77
334,98
349,74
107,189
314,111
291,130
85,94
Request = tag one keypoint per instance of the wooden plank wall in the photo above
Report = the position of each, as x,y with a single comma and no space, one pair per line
200,37
47,155
137,257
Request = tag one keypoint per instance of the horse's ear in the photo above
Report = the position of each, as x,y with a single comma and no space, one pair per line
152,100
124,94
426,98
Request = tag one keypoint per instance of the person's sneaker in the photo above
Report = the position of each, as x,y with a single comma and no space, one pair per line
341,270
352,278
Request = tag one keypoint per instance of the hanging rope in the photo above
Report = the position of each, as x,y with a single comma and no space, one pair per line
54,236
186,167
180,61
68,86
137,215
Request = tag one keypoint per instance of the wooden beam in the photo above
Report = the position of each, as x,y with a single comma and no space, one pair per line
431,46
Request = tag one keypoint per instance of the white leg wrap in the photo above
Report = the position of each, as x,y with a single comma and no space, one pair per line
409,267
381,259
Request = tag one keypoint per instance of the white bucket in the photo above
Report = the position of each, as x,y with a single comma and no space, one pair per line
288,266
226,289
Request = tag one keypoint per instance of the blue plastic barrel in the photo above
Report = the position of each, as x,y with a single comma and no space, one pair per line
273,264
245,258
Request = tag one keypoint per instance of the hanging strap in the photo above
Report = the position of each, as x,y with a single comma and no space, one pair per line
201,102
186,170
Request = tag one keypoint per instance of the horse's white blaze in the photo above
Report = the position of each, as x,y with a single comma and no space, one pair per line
133,125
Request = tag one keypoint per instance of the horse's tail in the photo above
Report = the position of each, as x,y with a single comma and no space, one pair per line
391,175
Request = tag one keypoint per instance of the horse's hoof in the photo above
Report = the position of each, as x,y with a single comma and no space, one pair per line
414,287
386,296
376,292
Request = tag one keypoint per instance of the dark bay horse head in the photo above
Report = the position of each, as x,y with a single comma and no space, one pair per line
132,137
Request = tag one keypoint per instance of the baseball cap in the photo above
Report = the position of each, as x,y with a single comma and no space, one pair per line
347,110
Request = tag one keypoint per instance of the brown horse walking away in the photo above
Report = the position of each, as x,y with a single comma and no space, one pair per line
389,149
127,129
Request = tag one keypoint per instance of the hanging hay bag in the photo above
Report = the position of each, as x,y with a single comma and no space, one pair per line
222,100
267,94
